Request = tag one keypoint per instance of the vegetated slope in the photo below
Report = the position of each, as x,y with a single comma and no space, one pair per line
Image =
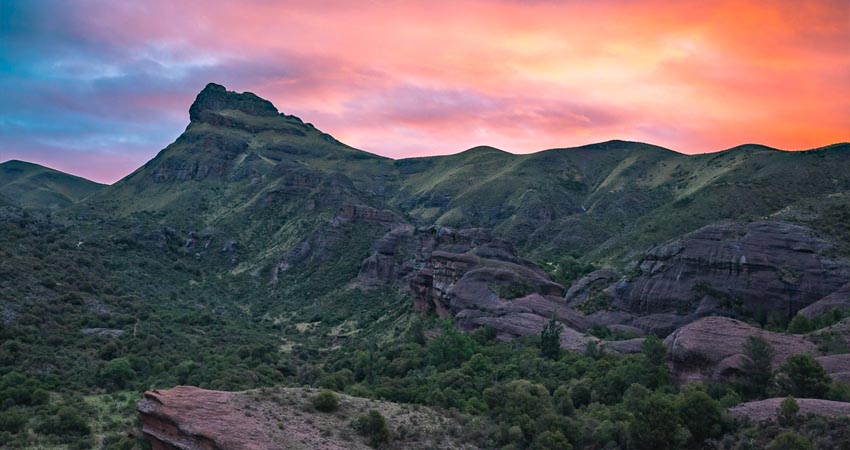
603,200
34,186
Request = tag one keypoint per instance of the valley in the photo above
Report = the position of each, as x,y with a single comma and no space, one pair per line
260,260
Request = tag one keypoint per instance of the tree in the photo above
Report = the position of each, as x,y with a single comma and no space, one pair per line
756,370
788,411
450,349
549,440
701,414
654,350
117,372
550,339
563,402
654,423
790,441
803,377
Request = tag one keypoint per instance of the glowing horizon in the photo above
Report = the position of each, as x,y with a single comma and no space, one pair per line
98,88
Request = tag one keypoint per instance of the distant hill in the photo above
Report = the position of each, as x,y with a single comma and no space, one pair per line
33,186
241,159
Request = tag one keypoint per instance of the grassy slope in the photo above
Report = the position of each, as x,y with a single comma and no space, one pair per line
34,186
609,198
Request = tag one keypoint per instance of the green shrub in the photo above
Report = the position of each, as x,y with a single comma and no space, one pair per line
803,377
790,441
701,414
373,426
756,371
788,411
326,401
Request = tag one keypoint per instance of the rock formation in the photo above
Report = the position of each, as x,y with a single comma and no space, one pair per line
190,418
765,268
475,278
768,410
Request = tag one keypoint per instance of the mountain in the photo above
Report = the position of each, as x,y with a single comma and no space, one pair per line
258,251
34,186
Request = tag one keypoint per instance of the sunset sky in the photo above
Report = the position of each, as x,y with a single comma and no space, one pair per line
96,88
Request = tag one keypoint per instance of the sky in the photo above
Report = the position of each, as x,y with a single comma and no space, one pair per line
97,88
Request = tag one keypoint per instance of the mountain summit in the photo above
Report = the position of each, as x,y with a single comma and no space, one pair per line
215,98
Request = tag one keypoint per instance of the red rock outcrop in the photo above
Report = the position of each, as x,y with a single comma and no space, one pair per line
770,268
768,410
713,348
190,418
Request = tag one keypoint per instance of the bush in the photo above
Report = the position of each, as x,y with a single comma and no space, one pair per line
326,401
788,411
800,324
373,426
66,423
790,441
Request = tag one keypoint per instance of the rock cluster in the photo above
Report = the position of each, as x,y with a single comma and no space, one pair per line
767,268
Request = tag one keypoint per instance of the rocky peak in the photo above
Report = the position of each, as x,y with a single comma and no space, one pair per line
215,97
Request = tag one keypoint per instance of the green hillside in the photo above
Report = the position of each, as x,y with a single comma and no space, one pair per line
34,186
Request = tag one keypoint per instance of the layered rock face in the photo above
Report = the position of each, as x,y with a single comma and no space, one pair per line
760,268
473,277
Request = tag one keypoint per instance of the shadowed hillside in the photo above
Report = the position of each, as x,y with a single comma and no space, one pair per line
33,186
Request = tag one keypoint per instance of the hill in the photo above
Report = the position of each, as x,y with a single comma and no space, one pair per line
34,186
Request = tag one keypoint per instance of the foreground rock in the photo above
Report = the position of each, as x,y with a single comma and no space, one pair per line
187,417
768,410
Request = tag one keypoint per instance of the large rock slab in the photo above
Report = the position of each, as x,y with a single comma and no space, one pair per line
190,418
187,417
713,348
